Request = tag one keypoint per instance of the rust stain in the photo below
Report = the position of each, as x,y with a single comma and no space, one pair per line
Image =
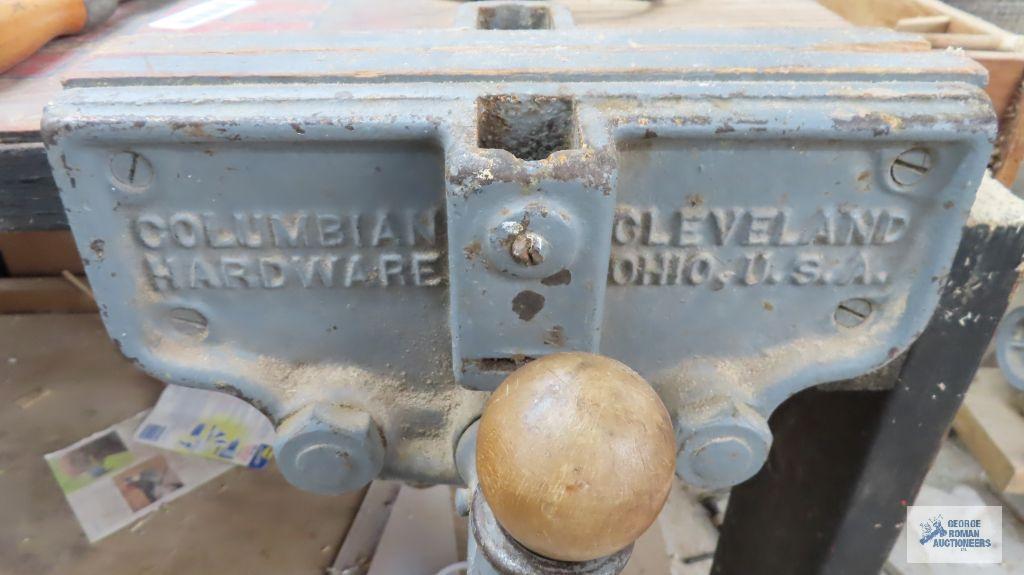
472,250
97,247
555,336
559,278
878,123
527,304
921,45
194,129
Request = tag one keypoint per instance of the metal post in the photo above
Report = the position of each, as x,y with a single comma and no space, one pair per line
493,552
832,497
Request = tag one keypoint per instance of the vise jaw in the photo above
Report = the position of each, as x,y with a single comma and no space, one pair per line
389,223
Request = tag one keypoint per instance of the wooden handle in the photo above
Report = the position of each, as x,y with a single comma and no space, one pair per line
575,454
27,25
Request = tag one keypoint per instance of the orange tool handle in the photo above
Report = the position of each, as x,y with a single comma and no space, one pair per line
26,25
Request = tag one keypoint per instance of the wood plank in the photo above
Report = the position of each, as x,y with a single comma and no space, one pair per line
28,194
1010,144
702,13
420,537
885,13
969,42
43,295
367,528
30,254
1005,72
888,13
934,24
992,428
962,22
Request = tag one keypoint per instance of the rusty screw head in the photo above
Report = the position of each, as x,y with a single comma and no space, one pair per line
528,248
910,167
131,171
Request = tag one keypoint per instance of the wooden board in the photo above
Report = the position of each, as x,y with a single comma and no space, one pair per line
43,295
888,13
28,254
28,196
60,380
27,87
1005,72
992,427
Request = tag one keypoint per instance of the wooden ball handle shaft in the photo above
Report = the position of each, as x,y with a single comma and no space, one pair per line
575,456
27,25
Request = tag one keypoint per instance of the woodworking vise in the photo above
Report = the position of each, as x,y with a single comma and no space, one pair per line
652,237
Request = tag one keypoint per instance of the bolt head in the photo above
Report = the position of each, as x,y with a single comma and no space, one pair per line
529,248
728,456
329,449
726,451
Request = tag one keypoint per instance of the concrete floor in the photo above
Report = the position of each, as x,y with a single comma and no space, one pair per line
957,479
61,379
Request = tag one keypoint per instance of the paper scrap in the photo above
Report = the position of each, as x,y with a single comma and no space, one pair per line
110,480
209,424
201,14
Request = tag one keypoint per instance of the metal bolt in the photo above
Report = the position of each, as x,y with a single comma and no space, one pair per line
853,312
329,449
910,167
131,170
188,321
726,451
528,248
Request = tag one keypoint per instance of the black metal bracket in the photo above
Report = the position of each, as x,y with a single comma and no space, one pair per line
832,498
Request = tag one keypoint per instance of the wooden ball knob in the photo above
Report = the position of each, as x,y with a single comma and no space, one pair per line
575,456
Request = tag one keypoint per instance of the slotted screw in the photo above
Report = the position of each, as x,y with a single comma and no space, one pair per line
132,170
188,321
910,167
853,312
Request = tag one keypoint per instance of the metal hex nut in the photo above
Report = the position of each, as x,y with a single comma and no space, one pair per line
725,451
329,449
